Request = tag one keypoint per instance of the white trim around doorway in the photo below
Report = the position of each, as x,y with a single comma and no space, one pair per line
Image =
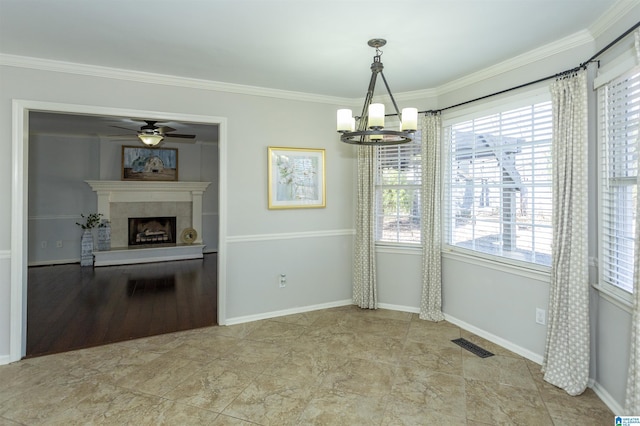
19,197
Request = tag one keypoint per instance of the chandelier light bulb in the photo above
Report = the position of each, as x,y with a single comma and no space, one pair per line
376,116
345,120
409,119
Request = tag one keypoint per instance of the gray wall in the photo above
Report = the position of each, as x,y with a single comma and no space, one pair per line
59,165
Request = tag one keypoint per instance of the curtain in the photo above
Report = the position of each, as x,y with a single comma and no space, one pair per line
566,358
364,265
632,400
431,302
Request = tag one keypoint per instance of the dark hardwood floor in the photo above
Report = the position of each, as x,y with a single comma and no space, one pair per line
71,307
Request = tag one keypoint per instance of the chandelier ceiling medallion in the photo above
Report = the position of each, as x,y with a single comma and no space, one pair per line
370,124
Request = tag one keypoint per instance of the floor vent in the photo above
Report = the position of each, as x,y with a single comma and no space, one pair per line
472,347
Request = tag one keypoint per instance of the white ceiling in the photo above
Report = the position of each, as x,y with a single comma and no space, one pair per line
310,46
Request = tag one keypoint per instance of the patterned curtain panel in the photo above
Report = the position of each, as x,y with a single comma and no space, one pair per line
566,358
364,262
632,400
431,303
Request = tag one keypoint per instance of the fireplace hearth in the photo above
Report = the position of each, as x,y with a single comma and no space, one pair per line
145,231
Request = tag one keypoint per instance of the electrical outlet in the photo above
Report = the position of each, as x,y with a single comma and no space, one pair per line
43,244
541,316
59,243
282,280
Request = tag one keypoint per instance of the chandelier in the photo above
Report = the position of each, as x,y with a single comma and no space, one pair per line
370,124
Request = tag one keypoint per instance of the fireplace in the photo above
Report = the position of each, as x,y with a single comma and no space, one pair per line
145,231
118,201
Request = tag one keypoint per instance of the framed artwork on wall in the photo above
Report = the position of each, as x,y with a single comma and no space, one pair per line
296,178
143,163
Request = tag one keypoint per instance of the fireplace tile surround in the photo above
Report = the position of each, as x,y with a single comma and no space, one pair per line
120,200
121,212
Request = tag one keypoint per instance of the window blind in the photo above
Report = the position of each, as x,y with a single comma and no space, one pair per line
398,179
498,198
619,122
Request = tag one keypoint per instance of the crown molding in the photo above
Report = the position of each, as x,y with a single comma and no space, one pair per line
580,38
162,79
575,40
615,13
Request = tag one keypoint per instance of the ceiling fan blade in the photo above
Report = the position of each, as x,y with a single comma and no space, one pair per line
179,135
124,128
165,129
180,141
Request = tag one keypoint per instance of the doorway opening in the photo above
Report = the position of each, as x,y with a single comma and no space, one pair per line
24,141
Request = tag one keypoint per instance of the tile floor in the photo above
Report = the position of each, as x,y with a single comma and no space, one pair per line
341,366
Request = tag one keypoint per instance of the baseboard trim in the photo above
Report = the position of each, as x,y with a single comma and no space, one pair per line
54,262
292,311
606,397
400,308
532,356
475,330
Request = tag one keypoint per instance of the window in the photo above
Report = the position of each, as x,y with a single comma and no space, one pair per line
398,179
619,119
497,195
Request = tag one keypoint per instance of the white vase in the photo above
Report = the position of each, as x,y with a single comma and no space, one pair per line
104,236
86,258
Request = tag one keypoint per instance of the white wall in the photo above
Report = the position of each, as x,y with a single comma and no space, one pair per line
253,124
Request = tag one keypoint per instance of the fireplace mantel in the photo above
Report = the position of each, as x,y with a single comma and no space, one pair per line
110,191
146,186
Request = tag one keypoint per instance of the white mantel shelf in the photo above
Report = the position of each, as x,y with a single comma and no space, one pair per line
146,191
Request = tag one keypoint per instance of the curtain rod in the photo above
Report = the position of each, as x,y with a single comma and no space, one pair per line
581,66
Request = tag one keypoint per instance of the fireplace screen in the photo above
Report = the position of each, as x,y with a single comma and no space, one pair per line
152,230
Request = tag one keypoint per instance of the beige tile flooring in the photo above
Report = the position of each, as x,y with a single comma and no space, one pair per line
340,366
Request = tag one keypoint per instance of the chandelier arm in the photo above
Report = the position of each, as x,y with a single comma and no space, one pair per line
390,137
364,116
393,100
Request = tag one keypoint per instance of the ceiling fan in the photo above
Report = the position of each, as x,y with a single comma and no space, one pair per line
152,135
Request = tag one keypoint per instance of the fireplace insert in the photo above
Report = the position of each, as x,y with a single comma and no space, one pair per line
152,230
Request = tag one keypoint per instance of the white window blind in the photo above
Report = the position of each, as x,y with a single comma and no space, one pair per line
619,121
497,197
398,179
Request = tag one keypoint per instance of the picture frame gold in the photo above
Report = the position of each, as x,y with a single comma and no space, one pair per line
150,164
296,178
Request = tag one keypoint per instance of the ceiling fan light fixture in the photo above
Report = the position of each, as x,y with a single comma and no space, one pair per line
370,125
150,139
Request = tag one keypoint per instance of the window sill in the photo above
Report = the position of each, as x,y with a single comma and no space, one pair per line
413,249
536,272
622,301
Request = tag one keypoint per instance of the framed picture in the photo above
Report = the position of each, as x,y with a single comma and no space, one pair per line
143,163
296,178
